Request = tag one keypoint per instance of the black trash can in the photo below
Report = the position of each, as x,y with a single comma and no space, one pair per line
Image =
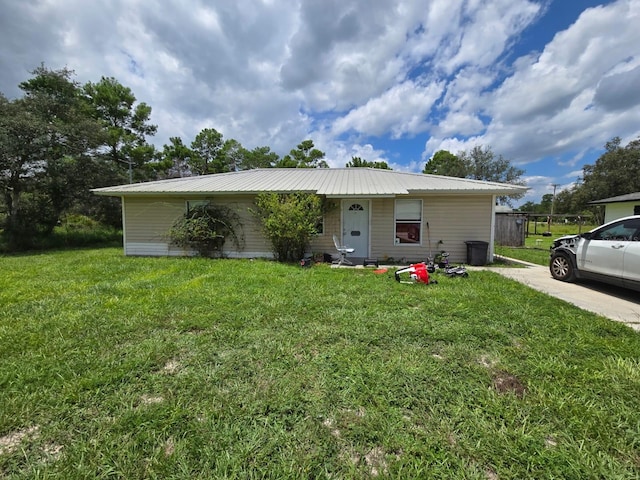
477,252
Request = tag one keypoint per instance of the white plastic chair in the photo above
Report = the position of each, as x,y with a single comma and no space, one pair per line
343,250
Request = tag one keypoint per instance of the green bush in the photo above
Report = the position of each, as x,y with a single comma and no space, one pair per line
73,231
289,221
205,229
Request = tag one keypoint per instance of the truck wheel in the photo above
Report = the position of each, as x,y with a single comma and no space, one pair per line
561,267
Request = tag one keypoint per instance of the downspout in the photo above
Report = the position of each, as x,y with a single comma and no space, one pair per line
493,228
124,227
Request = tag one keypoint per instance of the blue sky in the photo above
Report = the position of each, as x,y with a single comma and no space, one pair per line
545,83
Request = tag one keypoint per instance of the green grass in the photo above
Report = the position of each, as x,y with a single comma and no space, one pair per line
117,367
537,255
536,247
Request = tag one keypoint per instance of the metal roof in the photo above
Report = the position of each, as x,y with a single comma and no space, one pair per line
629,197
331,182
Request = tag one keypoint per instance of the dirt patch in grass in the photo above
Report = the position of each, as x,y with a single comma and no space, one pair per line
53,450
171,367
491,474
169,447
487,361
151,399
11,441
504,382
374,461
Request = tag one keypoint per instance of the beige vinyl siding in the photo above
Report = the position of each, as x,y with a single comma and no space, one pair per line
146,223
452,219
324,243
148,219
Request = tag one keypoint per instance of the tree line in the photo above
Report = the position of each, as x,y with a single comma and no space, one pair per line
62,138
616,172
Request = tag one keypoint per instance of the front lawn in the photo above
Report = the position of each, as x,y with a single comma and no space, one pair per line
536,247
117,367
537,255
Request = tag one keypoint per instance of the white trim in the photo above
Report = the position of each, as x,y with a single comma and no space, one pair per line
162,249
396,241
492,237
124,225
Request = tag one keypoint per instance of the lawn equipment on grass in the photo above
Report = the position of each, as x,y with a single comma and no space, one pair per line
456,271
416,273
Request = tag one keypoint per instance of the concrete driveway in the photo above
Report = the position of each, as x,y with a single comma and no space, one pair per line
616,303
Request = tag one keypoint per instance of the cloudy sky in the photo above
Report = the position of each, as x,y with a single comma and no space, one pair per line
545,83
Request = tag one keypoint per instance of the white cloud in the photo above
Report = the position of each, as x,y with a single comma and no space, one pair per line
568,98
402,110
338,154
350,74
487,29
460,123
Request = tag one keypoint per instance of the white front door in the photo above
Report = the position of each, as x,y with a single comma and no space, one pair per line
355,226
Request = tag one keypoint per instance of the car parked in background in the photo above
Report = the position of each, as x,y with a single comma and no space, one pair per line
609,253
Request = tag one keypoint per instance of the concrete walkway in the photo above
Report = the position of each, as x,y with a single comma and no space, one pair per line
616,303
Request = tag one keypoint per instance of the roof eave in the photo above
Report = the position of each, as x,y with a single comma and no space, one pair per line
468,192
124,193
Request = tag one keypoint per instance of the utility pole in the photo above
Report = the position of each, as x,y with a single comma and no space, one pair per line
553,201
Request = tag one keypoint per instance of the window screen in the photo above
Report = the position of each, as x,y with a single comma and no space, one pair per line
408,222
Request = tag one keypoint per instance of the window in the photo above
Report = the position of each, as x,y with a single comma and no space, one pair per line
623,231
320,225
408,222
191,204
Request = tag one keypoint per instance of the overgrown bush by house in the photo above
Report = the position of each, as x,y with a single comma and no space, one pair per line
206,228
289,221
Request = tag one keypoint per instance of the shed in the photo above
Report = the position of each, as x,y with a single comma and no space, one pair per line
620,206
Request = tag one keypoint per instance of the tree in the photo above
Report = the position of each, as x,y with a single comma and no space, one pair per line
232,155
543,207
46,147
546,203
359,162
23,136
126,125
289,221
213,155
478,164
207,147
260,157
482,164
615,172
304,156
446,163
177,158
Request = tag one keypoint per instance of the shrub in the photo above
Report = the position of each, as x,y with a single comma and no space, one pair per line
205,229
289,221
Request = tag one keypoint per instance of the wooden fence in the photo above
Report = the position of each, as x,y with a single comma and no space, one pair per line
510,229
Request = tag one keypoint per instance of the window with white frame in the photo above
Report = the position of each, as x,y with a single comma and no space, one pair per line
408,222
